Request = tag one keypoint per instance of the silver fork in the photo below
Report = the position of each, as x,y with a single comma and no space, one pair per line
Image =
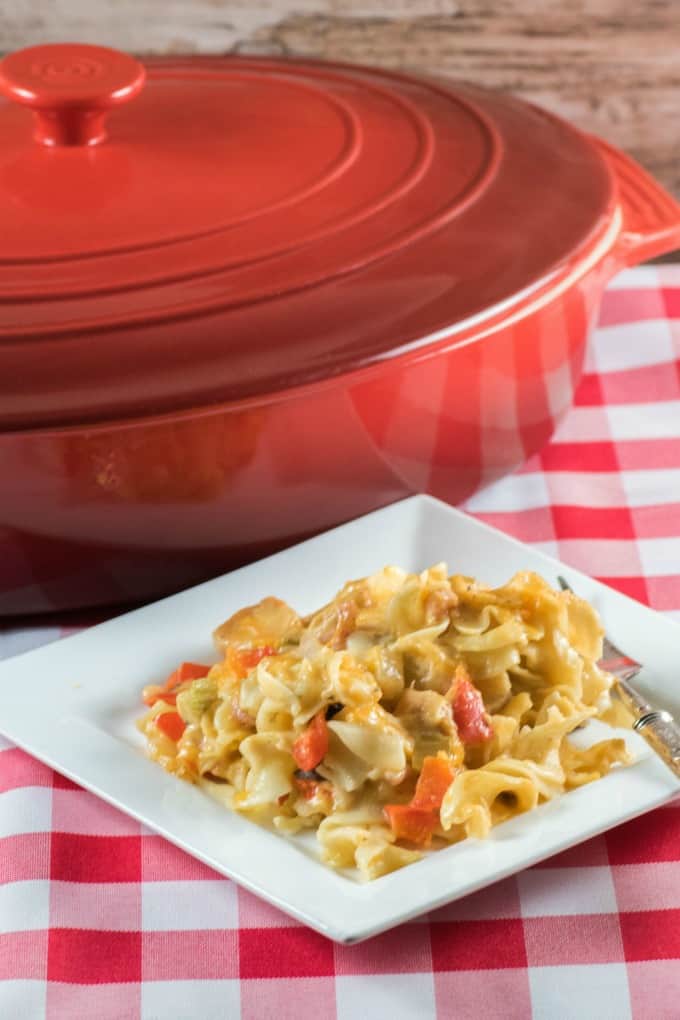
657,726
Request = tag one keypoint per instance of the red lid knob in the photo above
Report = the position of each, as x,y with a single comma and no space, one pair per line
70,87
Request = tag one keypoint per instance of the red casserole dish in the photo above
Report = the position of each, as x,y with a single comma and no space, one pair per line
243,300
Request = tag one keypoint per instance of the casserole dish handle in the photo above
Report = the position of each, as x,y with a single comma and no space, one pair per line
650,216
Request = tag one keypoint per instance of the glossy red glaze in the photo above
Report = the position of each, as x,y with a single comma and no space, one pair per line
255,225
70,88
234,368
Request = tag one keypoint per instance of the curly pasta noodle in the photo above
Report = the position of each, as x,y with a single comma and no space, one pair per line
412,711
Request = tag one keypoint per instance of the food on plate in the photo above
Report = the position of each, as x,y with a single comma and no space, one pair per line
410,712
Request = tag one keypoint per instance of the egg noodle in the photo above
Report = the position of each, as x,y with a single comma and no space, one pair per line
412,711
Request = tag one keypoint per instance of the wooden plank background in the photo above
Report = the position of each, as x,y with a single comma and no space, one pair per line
611,66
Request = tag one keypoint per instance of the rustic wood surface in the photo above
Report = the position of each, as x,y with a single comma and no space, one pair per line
611,66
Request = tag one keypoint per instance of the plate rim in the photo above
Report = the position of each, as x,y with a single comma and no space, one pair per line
384,917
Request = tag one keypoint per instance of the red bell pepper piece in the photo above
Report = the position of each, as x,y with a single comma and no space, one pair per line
312,744
171,724
474,725
411,823
187,671
435,777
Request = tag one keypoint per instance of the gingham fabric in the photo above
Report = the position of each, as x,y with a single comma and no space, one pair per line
100,918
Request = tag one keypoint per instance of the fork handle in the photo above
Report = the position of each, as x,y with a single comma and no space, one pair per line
662,733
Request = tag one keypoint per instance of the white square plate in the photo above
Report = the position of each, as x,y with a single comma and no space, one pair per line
73,704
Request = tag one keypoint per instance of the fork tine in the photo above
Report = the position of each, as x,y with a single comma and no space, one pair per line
658,728
610,651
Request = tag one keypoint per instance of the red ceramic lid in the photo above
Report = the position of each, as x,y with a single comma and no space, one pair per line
218,229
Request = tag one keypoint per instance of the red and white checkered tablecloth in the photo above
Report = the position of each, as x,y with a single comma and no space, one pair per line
99,918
